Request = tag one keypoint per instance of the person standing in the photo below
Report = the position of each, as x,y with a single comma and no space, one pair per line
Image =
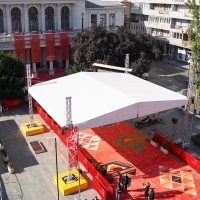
118,191
151,194
146,189
125,182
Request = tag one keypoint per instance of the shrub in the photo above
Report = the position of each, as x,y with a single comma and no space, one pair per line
4,153
165,146
154,140
9,165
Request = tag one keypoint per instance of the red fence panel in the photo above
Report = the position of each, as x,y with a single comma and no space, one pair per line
179,153
98,187
11,103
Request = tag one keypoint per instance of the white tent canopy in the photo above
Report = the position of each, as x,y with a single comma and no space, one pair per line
103,98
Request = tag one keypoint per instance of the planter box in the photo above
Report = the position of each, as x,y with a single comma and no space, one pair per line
6,159
154,143
11,170
165,151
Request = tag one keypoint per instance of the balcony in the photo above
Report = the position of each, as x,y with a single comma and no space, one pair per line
166,12
179,27
181,2
173,41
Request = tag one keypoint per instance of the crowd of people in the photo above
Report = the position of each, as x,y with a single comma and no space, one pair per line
123,184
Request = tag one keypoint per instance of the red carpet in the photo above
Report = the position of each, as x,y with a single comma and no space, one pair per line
170,178
45,76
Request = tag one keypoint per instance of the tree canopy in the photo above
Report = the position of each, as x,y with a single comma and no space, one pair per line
106,47
194,35
12,81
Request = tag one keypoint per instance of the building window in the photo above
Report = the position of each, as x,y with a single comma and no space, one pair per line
16,20
1,22
93,20
33,19
49,19
65,18
103,19
111,19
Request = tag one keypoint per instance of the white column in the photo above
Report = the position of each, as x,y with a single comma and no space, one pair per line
34,74
89,20
8,18
107,21
34,67
51,70
26,19
98,19
43,17
58,16
4,19
71,23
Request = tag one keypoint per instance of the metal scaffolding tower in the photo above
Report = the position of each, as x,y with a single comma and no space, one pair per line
187,107
126,63
28,76
68,113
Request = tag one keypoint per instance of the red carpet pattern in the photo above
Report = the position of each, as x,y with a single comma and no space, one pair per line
177,180
122,143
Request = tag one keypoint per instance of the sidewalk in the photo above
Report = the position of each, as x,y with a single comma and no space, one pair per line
33,177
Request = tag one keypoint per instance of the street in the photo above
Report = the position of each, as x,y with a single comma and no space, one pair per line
169,74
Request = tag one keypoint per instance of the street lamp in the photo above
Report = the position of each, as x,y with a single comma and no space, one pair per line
82,20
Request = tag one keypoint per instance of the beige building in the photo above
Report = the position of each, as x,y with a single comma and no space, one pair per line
165,20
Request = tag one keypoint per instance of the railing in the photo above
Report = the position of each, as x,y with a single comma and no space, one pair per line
164,12
178,27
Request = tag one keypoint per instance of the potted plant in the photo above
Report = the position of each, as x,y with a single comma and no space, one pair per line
1,146
164,148
10,167
154,142
4,156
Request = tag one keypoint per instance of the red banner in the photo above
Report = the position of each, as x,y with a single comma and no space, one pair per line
71,137
20,47
64,46
50,46
35,48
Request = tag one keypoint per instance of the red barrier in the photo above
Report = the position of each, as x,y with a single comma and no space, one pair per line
98,187
191,161
105,184
83,160
47,119
12,103
179,153
94,173
175,150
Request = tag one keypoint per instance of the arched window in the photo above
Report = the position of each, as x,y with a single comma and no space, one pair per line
16,20
1,22
33,19
49,18
65,18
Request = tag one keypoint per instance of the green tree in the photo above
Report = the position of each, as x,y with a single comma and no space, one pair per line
12,81
194,35
102,46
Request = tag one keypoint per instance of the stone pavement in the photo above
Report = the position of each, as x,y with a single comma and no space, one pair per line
33,177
